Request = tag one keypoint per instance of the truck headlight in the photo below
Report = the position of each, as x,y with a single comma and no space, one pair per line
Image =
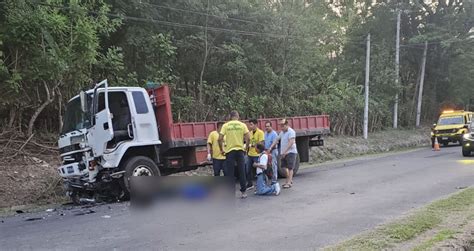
432,134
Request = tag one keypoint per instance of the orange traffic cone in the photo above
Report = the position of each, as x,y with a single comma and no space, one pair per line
436,145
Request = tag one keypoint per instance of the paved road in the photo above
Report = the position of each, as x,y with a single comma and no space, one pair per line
327,204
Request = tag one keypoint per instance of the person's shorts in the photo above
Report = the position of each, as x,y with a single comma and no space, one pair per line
289,161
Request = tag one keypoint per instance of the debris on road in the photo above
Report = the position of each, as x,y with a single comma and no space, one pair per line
84,213
35,218
106,216
87,201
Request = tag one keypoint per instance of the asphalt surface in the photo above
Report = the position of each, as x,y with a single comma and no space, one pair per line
327,204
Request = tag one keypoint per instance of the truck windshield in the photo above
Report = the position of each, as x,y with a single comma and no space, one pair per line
74,119
455,120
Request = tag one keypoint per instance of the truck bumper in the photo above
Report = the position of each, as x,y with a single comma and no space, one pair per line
448,137
316,142
72,170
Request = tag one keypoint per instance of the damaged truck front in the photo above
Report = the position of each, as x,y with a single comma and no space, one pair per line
100,143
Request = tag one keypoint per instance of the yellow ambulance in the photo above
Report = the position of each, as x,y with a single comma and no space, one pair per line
451,127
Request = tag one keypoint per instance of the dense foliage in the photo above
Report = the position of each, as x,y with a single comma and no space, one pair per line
263,58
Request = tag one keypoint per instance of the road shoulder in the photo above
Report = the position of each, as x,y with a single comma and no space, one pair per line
433,225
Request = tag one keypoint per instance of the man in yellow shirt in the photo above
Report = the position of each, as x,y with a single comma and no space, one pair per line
214,151
257,136
235,132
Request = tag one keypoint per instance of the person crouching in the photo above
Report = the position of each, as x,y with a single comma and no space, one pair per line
261,165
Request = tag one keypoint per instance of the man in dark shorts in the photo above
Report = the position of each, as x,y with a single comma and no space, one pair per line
214,152
288,151
235,132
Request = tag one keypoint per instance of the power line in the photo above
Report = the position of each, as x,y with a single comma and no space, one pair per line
168,23
417,45
201,13
183,25
218,29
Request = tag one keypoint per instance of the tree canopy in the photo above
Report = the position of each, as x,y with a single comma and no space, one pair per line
262,58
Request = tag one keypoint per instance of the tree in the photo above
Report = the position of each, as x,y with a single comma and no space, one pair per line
49,49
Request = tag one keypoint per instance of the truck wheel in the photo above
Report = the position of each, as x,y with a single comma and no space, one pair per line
139,166
445,143
466,153
75,198
282,171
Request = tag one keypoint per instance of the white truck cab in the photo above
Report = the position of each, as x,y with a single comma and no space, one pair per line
104,130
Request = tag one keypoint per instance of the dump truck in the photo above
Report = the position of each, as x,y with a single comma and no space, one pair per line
111,134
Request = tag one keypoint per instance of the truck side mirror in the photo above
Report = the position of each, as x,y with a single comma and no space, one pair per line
83,97
434,125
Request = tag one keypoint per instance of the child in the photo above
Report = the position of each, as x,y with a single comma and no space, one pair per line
262,187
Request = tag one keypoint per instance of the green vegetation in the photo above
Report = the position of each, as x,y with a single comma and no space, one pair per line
262,58
439,237
408,228
412,227
391,140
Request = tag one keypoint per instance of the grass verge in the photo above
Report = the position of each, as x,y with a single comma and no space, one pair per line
439,237
410,227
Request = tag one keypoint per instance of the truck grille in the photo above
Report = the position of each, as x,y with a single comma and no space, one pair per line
69,148
446,131
76,157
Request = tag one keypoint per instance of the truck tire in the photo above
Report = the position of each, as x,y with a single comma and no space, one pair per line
139,166
466,153
282,171
445,143
75,198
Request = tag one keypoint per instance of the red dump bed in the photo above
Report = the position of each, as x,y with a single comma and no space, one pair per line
198,131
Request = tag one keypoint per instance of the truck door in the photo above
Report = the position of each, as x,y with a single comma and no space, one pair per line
101,131
144,119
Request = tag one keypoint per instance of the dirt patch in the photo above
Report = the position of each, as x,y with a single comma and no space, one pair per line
28,171
385,141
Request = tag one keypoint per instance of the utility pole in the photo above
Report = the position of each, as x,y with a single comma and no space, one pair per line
397,71
422,79
367,76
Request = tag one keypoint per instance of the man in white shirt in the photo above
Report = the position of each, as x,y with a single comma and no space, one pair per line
288,150
261,165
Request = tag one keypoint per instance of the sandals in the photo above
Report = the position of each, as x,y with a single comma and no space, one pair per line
286,186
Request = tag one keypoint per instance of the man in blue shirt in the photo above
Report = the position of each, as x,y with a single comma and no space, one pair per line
270,137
